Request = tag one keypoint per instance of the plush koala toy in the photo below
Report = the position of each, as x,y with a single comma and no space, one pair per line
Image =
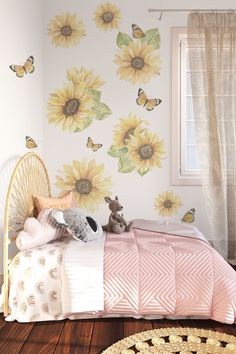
78,224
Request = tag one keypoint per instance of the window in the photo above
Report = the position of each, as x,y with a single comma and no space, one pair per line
185,164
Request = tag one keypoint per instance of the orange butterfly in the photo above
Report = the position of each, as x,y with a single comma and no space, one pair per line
137,32
30,142
189,216
90,144
27,68
148,103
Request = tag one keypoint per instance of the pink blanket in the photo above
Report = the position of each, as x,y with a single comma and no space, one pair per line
149,273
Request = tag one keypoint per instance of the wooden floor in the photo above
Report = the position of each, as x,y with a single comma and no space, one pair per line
83,336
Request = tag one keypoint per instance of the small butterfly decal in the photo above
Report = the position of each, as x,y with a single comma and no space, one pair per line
27,68
30,143
148,103
137,32
90,145
189,216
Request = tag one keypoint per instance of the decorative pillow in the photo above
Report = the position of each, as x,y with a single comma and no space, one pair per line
80,225
38,231
54,203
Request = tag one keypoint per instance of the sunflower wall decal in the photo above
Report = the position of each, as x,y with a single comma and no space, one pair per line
66,30
107,17
137,58
135,146
74,106
86,180
167,203
146,151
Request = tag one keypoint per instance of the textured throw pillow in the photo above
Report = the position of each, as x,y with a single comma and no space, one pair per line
54,203
80,225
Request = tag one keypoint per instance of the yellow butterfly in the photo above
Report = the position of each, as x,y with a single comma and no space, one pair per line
149,104
30,143
90,144
189,216
137,32
21,70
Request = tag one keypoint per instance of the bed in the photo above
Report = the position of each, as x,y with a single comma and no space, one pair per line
157,270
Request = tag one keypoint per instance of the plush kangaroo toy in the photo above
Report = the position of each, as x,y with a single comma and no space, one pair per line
117,223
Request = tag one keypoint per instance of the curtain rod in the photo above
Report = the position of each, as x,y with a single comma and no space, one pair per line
189,10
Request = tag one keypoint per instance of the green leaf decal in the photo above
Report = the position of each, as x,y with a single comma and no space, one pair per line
87,123
152,37
142,173
117,153
123,39
96,95
125,165
101,111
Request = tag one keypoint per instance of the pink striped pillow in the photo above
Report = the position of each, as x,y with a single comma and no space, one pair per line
38,231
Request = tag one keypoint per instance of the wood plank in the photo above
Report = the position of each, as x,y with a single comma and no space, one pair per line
132,326
13,335
43,337
165,323
76,337
2,321
226,328
205,324
105,333
84,336
209,324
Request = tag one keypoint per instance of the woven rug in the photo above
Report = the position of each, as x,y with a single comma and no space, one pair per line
175,340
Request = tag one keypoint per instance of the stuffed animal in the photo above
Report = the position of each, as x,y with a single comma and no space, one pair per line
78,224
117,223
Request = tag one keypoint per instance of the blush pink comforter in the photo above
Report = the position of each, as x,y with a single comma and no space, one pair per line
151,273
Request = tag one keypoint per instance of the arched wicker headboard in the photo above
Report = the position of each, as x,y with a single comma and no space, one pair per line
29,178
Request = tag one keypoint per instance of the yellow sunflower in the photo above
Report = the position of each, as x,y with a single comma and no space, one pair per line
128,126
84,78
86,181
107,17
70,107
66,30
137,63
167,203
146,151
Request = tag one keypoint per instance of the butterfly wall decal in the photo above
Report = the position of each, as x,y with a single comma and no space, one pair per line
30,143
27,68
148,103
91,145
189,217
137,32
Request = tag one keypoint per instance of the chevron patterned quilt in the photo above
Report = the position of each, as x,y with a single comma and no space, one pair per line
146,274
151,273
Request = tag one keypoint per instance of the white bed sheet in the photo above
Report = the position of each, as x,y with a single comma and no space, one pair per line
82,276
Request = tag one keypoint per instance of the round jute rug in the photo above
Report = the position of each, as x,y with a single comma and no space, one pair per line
175,340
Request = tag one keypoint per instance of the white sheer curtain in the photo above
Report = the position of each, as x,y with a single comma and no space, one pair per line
212,61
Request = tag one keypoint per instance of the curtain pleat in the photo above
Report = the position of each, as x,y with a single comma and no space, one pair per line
212,62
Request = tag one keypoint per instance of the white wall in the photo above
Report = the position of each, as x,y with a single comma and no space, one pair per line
96,51
21,28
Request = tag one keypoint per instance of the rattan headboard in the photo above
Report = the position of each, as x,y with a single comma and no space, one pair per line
29,178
